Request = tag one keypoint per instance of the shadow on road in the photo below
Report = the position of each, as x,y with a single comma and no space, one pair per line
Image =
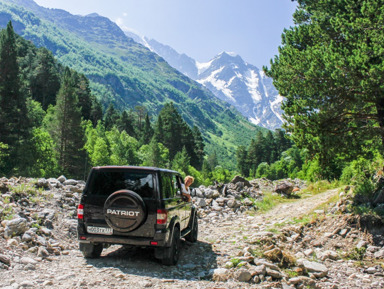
196,261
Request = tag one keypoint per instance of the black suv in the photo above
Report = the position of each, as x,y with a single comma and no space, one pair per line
136,206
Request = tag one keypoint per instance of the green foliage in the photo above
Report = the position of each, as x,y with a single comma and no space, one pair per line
181,162
330,70
155,154
15,127
123,148
66,128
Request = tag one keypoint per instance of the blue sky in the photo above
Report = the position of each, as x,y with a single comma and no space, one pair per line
198,28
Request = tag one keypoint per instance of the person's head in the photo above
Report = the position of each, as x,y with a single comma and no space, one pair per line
188,180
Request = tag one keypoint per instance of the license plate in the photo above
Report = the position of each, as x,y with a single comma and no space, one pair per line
99,230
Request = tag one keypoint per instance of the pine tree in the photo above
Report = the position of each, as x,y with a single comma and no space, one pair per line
45,81
66,128
197,162
15,129
147,132
125,122
111,117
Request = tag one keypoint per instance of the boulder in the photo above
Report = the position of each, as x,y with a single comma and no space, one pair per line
221,274
243,275
238,179
319,270
16,227
284,187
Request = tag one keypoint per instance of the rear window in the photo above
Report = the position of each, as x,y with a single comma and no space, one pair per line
109,181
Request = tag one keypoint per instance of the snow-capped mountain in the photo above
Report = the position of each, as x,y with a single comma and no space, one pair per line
231,79
244,86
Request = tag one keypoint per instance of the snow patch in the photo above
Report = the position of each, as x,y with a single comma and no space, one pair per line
252,81
219,84
203,66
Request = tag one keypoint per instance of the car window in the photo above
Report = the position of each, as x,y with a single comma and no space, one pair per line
169,185
108,182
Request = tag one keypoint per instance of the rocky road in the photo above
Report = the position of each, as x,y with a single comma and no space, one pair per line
236,249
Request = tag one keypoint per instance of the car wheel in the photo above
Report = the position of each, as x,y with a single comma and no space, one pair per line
91,250
192,236
124,211
172,254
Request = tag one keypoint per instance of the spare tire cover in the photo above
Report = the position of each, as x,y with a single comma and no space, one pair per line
124,211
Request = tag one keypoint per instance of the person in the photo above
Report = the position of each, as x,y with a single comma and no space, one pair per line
188,181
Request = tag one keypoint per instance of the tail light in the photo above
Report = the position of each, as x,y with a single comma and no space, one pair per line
161,216
80,211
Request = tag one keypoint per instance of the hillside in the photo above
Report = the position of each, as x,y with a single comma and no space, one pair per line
126,73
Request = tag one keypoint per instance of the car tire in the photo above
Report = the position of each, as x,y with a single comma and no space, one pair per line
192,236
172,253
90,250
127,201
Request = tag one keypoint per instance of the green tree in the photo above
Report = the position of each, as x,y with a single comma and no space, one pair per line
123,148
147,132
111,117
154,154
96,145
66,128
125,122
15,128
44,79
181,162
242,161
330,70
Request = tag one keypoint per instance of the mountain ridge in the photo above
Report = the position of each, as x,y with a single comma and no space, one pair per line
248,89
126,73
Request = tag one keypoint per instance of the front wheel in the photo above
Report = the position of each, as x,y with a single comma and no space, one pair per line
192,236
172,254
90,250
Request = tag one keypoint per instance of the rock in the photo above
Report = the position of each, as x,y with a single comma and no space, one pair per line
284,187
42,252
267,264
15,227
200,202
274,273
258,270
373,249
232,203
5,259
243,275
275,255
238,179
247,202
62,179
199,192
42,183
70,182
26,237
27,260
361,244
208,193
221,274
319,269
328,255
379,254
306,281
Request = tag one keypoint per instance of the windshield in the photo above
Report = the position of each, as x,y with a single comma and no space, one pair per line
109,181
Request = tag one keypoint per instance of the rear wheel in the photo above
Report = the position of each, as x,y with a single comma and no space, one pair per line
192,236
172,254
90,250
